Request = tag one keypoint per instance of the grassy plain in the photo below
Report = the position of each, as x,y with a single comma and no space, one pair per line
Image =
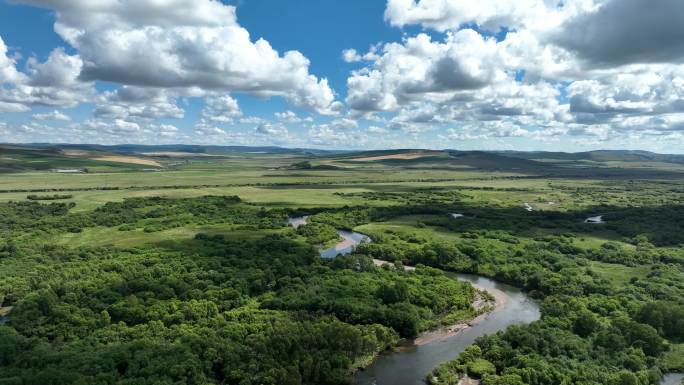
523,223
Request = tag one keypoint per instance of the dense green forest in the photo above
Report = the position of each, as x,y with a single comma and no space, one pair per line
593,331
218,289
212,309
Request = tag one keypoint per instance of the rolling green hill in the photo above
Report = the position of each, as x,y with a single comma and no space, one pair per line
25,159
99,158
599,156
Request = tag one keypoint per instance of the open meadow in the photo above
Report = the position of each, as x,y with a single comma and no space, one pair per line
127,269
312,192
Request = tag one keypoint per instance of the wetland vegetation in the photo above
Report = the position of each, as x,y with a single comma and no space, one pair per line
192,274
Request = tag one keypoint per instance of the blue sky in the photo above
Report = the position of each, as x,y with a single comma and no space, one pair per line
318,29
496,74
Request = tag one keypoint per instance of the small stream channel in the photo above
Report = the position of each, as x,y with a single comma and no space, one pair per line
411,364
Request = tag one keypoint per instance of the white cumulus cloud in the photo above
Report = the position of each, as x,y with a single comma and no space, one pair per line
182,44
52,115
221,108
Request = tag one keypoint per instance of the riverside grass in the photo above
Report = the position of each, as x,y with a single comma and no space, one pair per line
169,256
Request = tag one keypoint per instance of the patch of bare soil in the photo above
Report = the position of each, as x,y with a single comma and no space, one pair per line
404,156
468,381
176,154
75,153
128,159
481,303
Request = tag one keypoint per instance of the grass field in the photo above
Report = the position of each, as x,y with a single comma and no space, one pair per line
261,178
106,236
267,180
619,274
674,359
200,248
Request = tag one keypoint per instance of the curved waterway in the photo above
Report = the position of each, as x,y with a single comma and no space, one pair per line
411,364
672,379
350,239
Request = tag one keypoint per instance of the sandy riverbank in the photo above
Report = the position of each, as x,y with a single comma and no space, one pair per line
4,312
380,263
480,304
347,241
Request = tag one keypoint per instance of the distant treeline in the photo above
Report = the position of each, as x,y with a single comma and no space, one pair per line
52,197
281,184
214,309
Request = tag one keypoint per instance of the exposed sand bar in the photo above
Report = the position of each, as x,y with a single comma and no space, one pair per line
129,160
404,156
480,303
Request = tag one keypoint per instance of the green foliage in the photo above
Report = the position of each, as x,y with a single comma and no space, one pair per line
213,309
666,317
594,328
53,197
480,368
150,214
318,233
408,302
249,302
673,359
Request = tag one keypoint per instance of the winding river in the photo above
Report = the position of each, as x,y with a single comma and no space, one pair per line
672,379
411,364
350,239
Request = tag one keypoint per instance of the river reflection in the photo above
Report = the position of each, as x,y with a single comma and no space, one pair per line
411,366
350,241
672,379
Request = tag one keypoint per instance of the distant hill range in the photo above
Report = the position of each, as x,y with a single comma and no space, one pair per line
599,156
74,158
179,148
96,158
510,160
